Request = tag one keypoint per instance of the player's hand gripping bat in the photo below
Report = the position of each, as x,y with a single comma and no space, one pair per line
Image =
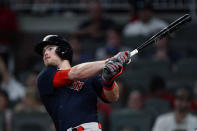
174,26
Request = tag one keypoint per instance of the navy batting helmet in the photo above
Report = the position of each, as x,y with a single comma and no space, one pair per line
64,50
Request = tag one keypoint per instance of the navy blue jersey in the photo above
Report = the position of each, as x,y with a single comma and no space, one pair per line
71,105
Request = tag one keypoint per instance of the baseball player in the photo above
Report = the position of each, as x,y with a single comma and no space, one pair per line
70,93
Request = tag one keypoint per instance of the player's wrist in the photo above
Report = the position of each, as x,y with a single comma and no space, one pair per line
108,85
106,60
107,81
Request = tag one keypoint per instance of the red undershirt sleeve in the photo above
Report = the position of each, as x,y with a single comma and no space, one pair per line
61,78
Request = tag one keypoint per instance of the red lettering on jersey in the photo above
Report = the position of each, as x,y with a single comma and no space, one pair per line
77,85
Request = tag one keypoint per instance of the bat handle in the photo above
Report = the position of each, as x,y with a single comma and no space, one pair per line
132,53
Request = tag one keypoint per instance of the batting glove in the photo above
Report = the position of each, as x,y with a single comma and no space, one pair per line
111,70
122,57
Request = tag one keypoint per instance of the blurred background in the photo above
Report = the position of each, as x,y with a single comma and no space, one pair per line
158,87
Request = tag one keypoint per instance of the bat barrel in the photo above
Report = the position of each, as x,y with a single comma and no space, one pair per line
166,31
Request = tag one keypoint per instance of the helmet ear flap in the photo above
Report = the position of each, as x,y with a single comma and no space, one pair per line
60,51
65,53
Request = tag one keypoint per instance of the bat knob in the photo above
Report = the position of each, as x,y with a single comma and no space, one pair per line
129,61
132,53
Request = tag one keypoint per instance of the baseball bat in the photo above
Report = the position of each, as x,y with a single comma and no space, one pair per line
174,26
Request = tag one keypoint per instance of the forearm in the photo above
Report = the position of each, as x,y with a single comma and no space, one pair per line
86,70
111,95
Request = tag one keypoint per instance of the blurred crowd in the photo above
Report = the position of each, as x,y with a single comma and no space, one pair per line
168,96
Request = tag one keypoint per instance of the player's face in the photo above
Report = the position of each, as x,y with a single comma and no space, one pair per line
50,57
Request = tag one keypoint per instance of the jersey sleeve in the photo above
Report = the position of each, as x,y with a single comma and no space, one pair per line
45,80
61,78
97,84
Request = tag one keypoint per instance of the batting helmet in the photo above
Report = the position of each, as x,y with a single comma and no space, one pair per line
64,50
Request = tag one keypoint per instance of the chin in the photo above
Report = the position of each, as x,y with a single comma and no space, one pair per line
50,64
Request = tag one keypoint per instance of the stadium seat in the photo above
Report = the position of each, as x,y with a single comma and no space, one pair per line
187,65
31,121
138,120
181,78
184,41
158,106
141,71
150,66
186,72
136,78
